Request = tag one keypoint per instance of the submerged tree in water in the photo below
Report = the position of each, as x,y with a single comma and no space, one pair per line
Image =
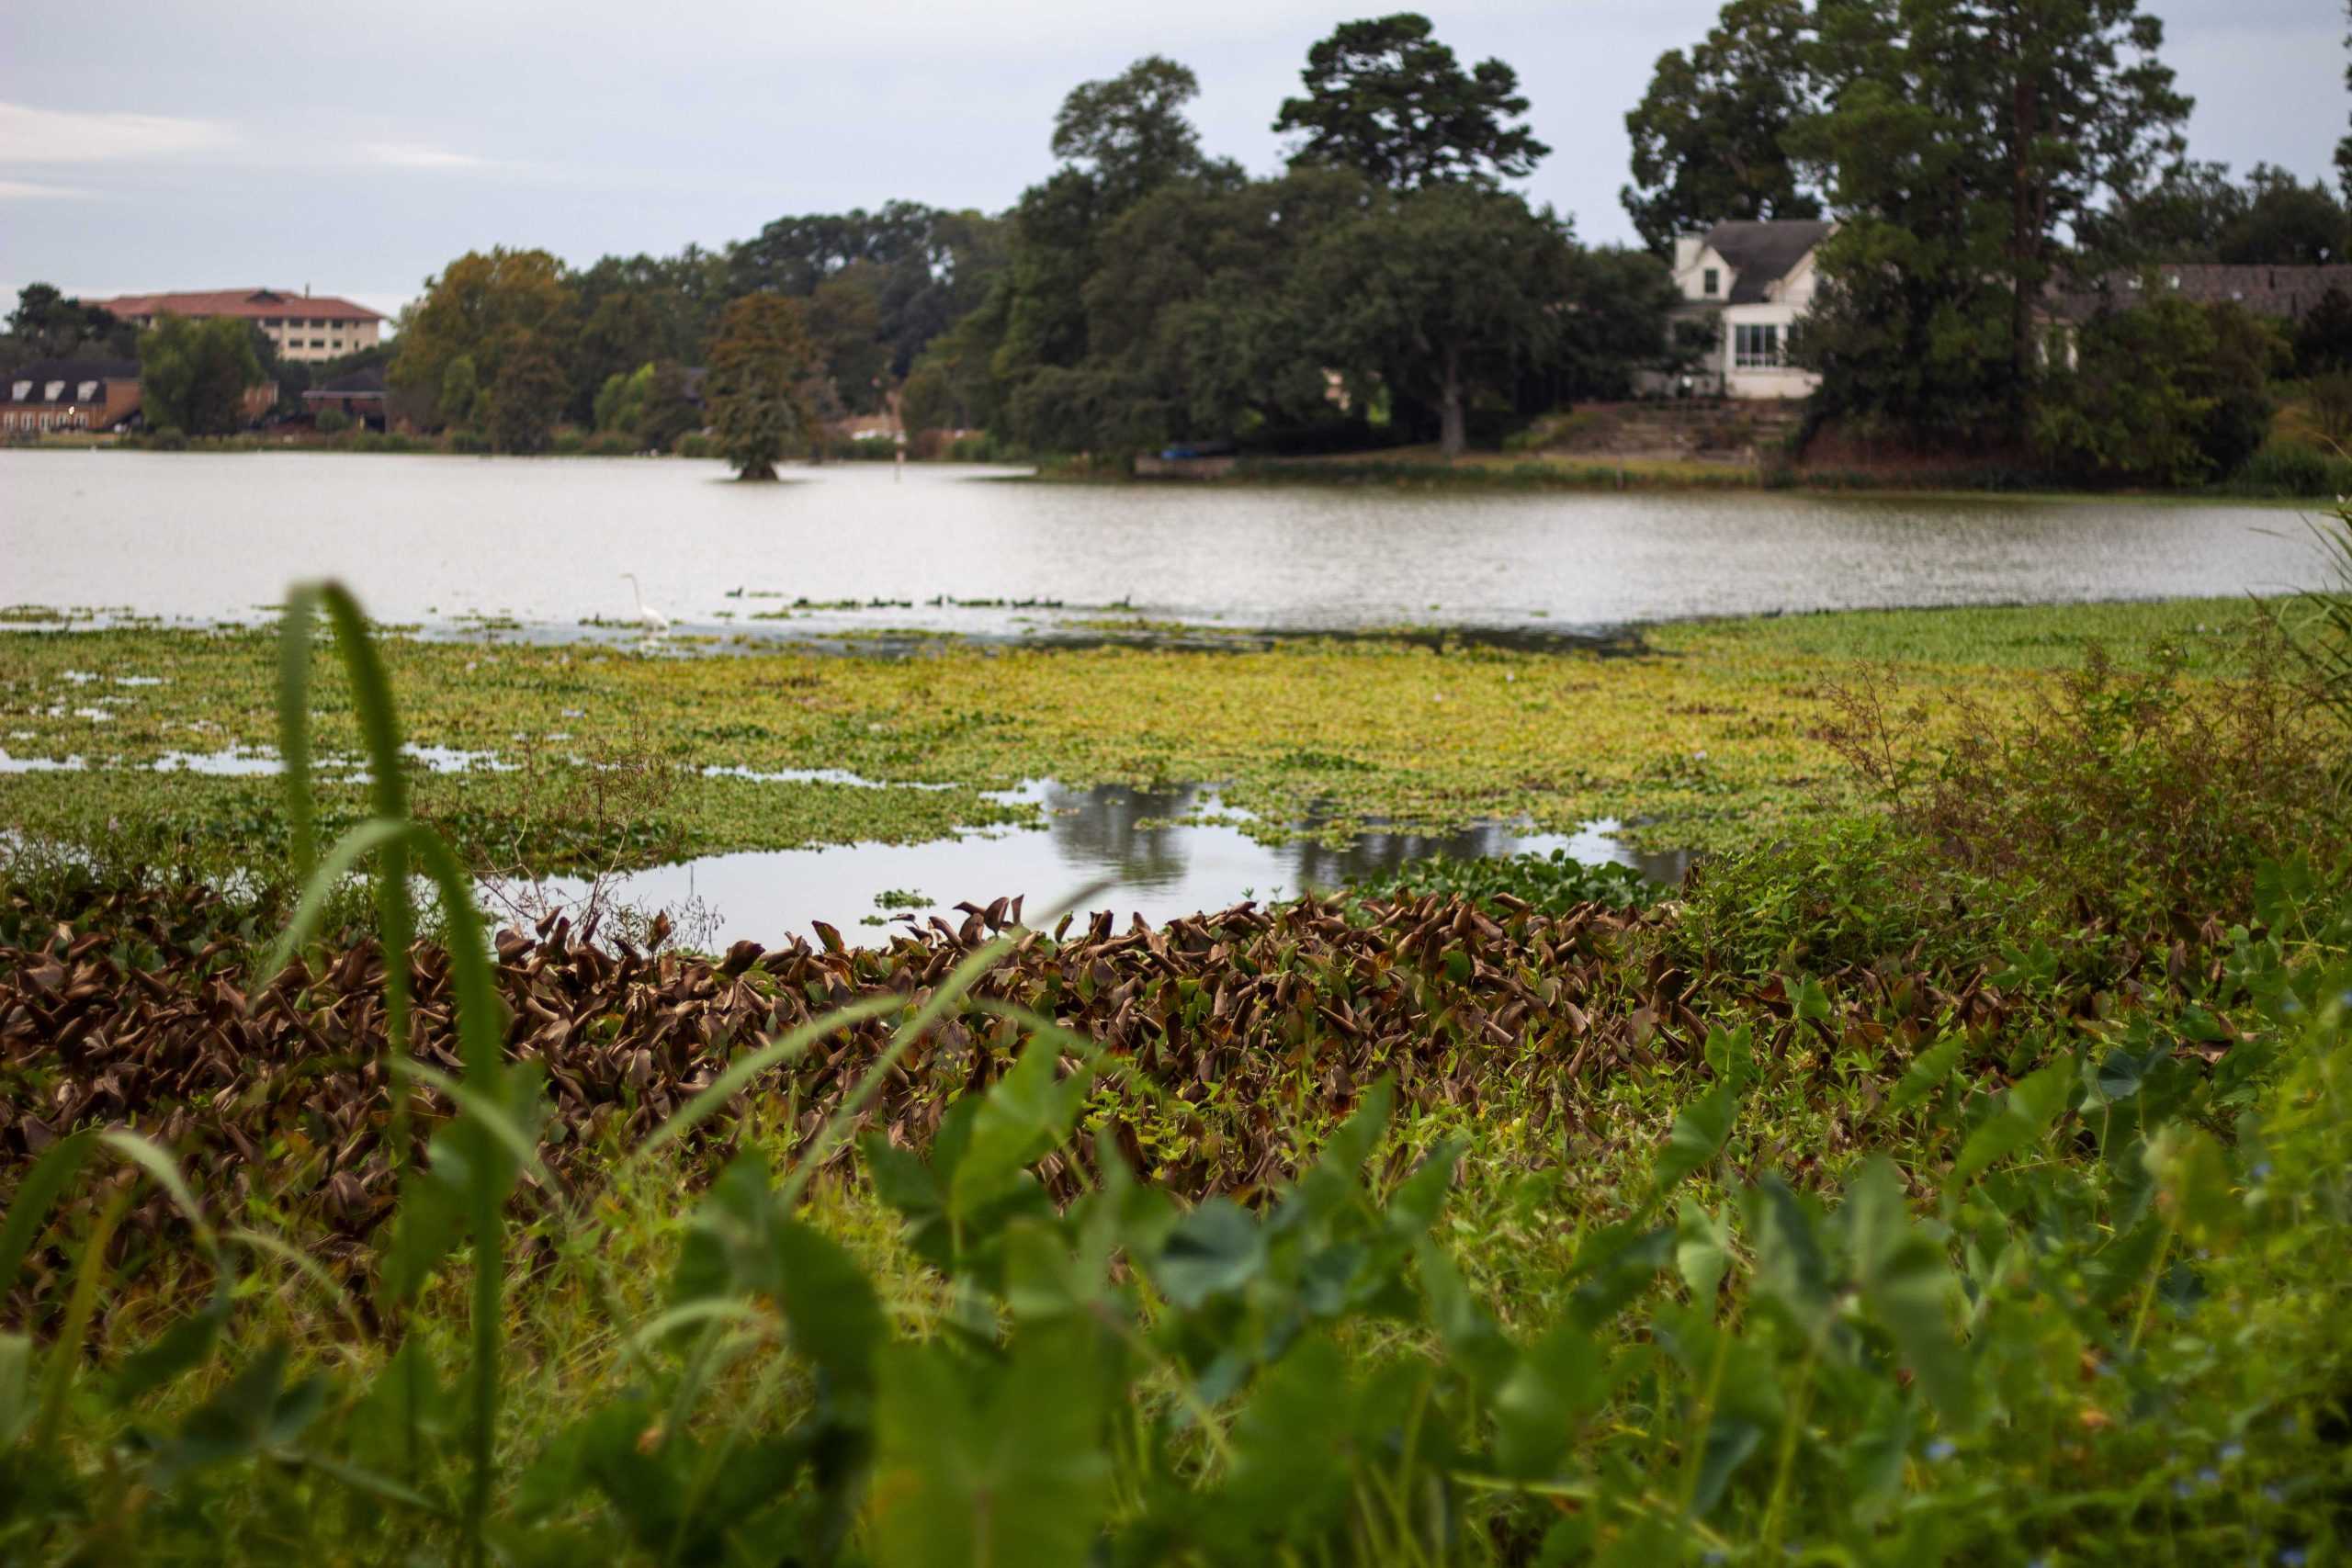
758,367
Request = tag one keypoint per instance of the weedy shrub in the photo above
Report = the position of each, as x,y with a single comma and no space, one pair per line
2318,626
2117,1330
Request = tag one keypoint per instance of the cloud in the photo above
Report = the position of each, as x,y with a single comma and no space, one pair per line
28,135
27,190
416,155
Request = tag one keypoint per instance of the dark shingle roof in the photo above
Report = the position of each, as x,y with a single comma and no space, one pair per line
1761,252
2284,291
72,373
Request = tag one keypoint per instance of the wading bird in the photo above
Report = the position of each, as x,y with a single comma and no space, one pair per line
654,620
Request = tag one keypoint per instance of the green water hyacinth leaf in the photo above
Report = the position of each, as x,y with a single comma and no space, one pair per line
1559,1382
1700,1130
1217,1249
990,1464
1701,1249
1291,1475
1907,1282
1732,1053
1613,1266
2032,1103
1929,1072
1018,1122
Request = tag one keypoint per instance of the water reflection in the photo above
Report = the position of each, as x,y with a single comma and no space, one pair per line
1157,867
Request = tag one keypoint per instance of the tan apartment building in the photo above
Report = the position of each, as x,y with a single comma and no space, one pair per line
305,327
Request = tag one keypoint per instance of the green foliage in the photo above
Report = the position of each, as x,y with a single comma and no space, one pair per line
333,422
486,310
1385,99
1708,134
46,324
1128,134
1554,882
2167,392
756,390
193,375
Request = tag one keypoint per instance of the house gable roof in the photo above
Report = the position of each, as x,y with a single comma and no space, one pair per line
359,383
1761,252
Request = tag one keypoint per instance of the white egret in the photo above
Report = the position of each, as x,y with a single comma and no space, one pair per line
655,621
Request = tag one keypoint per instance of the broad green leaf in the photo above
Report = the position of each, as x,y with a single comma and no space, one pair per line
1701,1249
1293,1472
995,1463
1791,1264
1558,1384
29,1204
1215,1249
1732,1053
2032,1104
2193,1185
1020,1120
1699,1132
1929,1072
1614,1265
1732,1440
1473,1341
1907,1284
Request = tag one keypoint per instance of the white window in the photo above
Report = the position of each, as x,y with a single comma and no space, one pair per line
1755,347
87,390
22,391
56,389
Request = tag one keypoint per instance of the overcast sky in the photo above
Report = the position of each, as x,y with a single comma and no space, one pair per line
164,144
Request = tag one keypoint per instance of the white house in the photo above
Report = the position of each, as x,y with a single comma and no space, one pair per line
1756,279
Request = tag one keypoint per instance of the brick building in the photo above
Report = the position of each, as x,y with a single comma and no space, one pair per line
305,327
68,394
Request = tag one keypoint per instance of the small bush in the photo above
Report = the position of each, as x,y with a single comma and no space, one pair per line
333,422
568,443
170,438
695,444
609,444
470,443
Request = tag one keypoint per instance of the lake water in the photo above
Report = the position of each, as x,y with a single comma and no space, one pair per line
544,542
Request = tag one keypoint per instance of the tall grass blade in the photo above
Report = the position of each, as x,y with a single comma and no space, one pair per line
28,1206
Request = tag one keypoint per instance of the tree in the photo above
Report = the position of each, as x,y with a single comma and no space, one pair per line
1707,136
2284,222
1441,293
526,395
2323,337
193,375
2344,148
458,396
46,324
1385,98
2183,216
620,402
1966,138
480,307
756,391
1615,315
2170,393
1128,134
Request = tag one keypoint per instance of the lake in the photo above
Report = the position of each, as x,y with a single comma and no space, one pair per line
543,542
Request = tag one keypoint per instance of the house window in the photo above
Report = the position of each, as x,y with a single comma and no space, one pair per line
88,390
1710,283
24,390
53,392
1755,347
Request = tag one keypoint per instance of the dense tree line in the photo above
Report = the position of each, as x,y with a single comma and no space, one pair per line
1988,163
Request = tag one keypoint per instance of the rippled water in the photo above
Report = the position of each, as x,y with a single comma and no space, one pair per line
437,541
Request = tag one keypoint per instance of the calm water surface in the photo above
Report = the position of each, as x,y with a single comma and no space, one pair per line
441,540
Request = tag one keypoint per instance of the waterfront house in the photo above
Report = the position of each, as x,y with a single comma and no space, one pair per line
1754,280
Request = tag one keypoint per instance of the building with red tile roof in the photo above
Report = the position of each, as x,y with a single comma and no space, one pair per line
309,327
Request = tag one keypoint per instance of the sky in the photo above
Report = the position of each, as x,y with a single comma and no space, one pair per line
354,150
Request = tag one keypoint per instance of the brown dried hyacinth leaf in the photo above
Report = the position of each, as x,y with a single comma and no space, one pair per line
1239,1025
